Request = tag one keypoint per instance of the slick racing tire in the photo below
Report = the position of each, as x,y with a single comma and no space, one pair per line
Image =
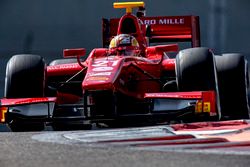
196,71
62,61
25,77
233,81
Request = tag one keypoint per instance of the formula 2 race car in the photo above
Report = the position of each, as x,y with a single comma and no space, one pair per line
130,81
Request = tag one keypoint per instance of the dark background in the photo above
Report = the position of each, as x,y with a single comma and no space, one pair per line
46,27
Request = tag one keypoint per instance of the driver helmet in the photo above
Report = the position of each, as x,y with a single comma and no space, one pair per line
124,44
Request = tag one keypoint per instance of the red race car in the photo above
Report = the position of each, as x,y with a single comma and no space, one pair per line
131,81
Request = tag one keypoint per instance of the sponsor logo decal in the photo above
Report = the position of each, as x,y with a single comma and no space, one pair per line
170,21
97,78
100,74
104,65
103,69
59,67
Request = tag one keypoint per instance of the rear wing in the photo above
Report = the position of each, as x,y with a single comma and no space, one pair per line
160,29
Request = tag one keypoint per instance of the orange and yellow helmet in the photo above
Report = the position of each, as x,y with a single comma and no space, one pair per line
124,43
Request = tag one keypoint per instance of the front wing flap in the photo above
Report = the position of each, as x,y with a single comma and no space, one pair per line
31,108
199,102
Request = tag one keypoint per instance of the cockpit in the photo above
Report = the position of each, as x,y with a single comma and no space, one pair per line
124,45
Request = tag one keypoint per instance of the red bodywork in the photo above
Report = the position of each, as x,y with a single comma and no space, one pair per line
109,85
104,71
135,77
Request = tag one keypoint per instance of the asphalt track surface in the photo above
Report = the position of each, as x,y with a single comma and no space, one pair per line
117,147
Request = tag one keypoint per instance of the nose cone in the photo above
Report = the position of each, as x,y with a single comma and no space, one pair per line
102,73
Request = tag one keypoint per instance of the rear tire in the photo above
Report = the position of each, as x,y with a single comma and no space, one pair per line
25,77
233,84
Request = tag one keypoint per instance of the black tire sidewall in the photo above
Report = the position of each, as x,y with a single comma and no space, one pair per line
233,83
195,70
25,76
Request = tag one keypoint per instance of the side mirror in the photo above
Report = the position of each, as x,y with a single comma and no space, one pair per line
74,52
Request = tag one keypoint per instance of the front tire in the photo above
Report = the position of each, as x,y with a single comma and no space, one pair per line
196,71
25,78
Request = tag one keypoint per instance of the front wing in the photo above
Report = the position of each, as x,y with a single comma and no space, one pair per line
171,103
